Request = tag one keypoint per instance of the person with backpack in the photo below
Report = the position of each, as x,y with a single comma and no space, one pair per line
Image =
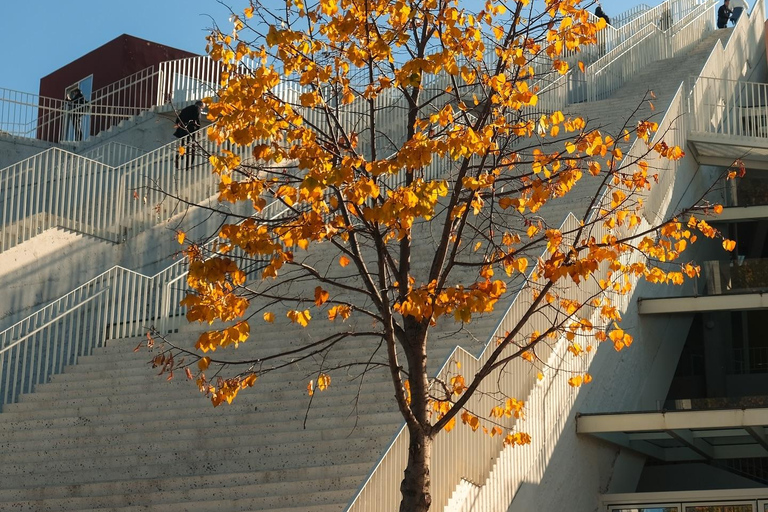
187,123
724,14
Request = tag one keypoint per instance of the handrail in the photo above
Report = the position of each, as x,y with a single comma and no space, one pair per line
22,368
113,153
47,323
78,193
646,46
710,104
50,119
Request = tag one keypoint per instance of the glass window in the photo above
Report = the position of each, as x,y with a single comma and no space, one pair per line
742,507
649,508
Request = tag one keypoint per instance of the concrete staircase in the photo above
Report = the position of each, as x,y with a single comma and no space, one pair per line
609,115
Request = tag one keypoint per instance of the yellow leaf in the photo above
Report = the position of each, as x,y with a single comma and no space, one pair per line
311,388
729,245
299,317
323,381
182,150
203,363
269,317
180,236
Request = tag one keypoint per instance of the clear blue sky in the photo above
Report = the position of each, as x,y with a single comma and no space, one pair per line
39,36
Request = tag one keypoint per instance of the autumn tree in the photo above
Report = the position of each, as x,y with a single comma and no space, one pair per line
409,142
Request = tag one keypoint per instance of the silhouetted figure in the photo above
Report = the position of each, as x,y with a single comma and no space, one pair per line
724,14
665,22
601,14
187,123
76,108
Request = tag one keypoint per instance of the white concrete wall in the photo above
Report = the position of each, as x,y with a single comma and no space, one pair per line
148,131
581,468
15,149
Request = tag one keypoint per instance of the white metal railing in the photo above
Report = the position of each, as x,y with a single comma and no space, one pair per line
118,303
616,68
32,116
629,15
645,46
718,102
631,53
189,79
178,81
113,153
730,107
58,188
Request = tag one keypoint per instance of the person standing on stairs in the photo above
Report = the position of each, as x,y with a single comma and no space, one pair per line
724,14
601,14
76,109
187,123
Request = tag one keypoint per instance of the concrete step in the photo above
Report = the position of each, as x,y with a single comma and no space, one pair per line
253,497
268,444
153,388
137,441
208,481
28,429
263,400
190,462
234,506
96,413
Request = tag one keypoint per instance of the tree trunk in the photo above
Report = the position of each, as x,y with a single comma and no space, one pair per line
416,486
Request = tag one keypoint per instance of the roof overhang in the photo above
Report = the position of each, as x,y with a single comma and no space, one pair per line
722,150
726,302
683,435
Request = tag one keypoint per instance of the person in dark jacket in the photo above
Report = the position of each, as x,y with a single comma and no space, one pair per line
601,14
724,14
187,123
76,108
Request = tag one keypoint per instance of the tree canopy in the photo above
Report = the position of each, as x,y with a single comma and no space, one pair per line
406,159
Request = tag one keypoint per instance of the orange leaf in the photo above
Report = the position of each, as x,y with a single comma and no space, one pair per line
321,296
343,261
